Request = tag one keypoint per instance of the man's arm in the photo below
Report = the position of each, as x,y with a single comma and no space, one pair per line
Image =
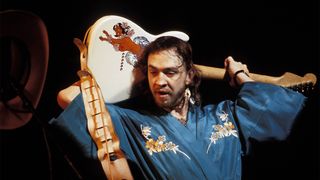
65,96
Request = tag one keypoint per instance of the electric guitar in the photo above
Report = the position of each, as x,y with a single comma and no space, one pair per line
115,42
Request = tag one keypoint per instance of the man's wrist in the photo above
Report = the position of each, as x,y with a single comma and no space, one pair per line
236,74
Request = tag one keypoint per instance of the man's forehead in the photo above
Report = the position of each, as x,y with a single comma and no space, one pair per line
167,58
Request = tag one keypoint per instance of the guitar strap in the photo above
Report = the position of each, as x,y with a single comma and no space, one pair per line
100,124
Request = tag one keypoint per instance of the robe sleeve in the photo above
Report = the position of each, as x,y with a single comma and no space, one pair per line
70,134
265,111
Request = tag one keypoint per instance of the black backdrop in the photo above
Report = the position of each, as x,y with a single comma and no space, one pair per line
271,37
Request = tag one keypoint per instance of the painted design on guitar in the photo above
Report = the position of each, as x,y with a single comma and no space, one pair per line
122,41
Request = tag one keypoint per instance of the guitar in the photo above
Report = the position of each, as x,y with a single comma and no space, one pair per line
99,123
114,44
289,80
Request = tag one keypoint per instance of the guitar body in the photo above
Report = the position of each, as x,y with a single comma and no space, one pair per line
114,44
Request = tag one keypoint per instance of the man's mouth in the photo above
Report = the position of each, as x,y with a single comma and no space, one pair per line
163,94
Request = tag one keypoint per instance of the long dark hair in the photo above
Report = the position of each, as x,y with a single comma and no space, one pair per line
183,50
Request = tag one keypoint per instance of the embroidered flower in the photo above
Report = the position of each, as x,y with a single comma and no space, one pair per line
162,138
223,116
160,144
221,131
146,131
230,129
150,145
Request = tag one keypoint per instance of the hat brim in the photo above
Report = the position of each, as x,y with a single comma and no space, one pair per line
29,29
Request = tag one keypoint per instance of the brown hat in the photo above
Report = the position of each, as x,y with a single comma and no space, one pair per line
23,66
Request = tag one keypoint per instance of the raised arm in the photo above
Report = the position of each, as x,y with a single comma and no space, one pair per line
65,96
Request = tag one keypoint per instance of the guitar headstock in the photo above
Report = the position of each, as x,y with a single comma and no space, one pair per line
303,84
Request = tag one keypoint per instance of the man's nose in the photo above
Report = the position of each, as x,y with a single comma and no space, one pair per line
161,80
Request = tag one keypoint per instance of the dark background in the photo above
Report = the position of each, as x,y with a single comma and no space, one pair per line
271,37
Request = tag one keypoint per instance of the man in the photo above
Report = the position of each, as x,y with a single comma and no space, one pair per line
175,137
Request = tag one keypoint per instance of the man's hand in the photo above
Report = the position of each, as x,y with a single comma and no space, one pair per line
237,72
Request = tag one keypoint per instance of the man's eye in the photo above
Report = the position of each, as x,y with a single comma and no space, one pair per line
153,72
170,73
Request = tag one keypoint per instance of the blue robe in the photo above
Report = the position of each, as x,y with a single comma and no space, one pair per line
209,146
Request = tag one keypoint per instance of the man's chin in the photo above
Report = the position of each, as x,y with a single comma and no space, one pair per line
164,104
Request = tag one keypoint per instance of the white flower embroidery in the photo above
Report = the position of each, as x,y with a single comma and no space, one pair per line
230,129
159,145
223,116
221,131
146,131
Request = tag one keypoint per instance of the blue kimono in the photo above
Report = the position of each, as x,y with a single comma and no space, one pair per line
209,146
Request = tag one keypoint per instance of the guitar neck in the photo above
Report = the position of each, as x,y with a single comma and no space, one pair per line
286,80
215,73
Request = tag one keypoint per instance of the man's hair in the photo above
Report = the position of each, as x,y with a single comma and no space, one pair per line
183,50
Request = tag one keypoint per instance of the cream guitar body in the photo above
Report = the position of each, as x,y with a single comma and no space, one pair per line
114,44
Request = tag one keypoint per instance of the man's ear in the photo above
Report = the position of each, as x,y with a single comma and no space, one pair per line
190,76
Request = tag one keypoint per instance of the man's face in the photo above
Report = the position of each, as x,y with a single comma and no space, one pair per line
167,78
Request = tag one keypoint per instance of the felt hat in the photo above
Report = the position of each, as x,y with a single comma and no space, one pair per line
23,66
